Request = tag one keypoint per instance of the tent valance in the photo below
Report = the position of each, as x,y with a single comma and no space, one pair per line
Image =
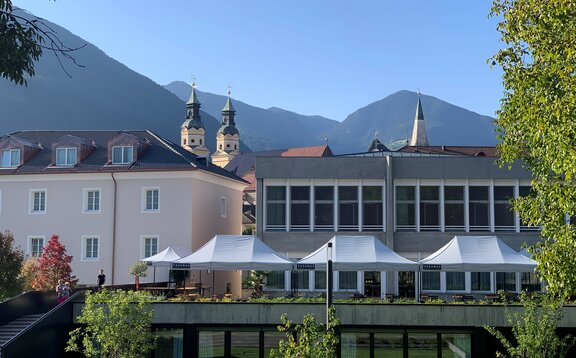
233,252
477,254
358,253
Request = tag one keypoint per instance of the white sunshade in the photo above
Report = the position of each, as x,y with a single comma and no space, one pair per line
477,254
358,253
166,257
232,252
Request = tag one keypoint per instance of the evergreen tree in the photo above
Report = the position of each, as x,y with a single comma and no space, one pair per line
11,259
53,265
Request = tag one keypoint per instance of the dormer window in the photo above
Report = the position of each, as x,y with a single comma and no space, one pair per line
122,155
66,156
10,158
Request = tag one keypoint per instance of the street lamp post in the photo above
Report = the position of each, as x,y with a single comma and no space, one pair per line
328,281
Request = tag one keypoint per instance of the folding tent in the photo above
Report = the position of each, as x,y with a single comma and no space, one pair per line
357,253
166,257
232,252
477,254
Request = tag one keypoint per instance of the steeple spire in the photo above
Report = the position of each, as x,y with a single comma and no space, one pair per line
419,136
227,137
192,130
193,105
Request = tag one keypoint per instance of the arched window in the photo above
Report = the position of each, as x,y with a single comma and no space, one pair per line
184,141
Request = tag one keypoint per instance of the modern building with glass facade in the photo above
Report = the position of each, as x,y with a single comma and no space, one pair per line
414,200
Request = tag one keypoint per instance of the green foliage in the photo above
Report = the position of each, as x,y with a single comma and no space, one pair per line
314,340
536,124
138,269
118,324
255,280
11,260
249,229
28,274
534,330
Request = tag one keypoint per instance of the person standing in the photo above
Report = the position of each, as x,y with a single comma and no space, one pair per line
62,291
101,279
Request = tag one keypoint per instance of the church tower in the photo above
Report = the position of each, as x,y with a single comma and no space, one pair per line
419,136
227,138
192,130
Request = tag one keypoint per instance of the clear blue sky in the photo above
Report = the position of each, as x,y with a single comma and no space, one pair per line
312,57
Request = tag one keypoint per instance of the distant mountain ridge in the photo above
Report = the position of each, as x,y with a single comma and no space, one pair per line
106,94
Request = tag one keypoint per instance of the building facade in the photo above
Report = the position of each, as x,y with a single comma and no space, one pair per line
113,197
414,202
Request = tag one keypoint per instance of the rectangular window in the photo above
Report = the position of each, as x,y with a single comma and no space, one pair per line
506,281
323,208
405,208
479,202
66,156
92,201
150,246
372,208
275,208
90,248
431,281
523,191
10,158
503,212
348,208
480,281
319,280
454,208
223,206
275,280
301,280
530,282
455,281
348,280
429,208
151,199
36,246
299,208
38,201
122,155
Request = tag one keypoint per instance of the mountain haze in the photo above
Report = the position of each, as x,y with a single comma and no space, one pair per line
262,129
104,94
392,118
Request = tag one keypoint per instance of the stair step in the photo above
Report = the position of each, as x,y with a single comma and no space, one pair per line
11,329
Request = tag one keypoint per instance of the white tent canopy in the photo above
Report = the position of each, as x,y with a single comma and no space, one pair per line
358,253
166,257
477,254
232,252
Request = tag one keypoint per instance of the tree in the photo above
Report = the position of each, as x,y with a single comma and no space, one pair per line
138,269
53,265
255,280
314,340
535,330
11,259
28,274
118,324
536,124
23,38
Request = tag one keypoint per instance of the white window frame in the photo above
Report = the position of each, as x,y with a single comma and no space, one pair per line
29,244
125,159
223,206
31,201
145,191
143,239
69,160
84,246
85,201
10,164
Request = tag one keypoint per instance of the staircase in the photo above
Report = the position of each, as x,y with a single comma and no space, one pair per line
11,329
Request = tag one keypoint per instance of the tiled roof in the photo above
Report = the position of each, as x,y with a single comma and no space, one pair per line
161,155
452,150
244,163
250,177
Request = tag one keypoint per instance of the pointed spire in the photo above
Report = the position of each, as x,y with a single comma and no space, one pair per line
228,107
193,100
419,136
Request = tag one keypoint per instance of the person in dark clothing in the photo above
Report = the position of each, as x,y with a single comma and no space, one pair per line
101,279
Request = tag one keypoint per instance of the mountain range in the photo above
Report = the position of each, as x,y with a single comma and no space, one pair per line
105,94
